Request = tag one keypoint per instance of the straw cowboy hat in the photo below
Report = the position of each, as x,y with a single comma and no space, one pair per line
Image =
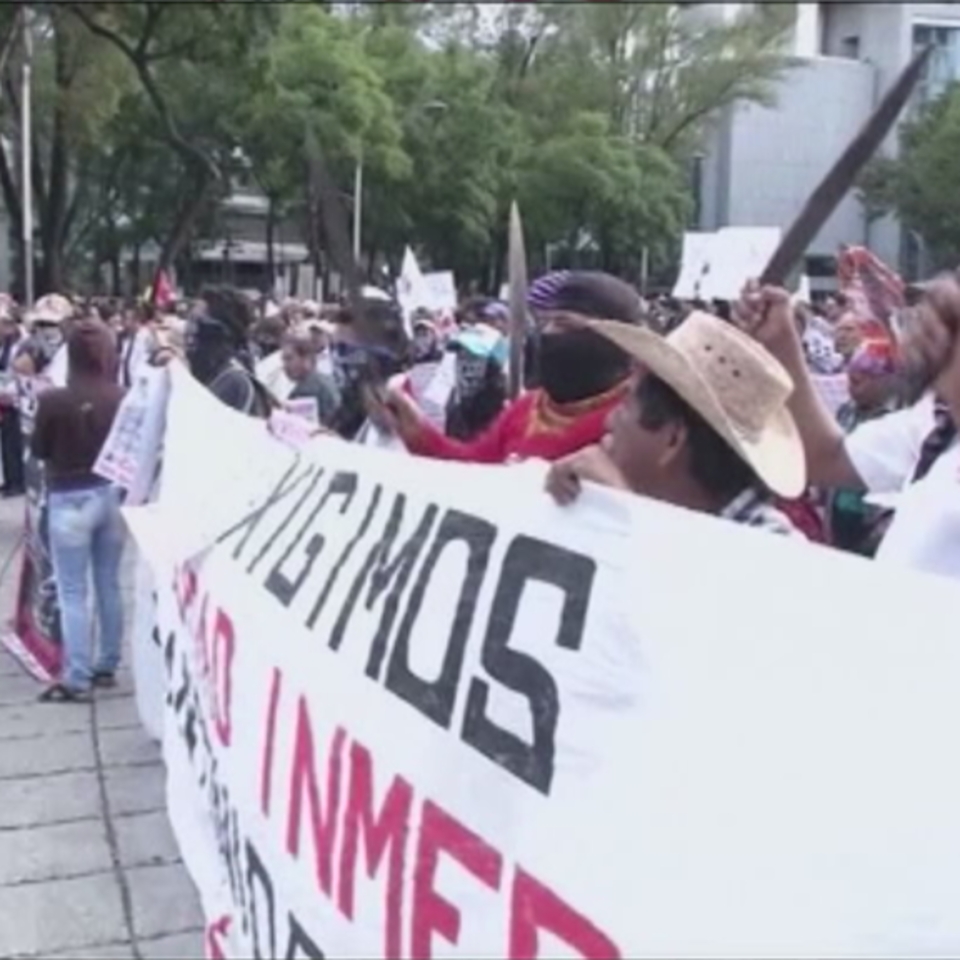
733,383
53,308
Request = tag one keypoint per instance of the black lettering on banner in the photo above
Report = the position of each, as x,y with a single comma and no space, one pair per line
343,485
251,521
262,913
272,539
381,571
436,699
527,560
300,943
344,557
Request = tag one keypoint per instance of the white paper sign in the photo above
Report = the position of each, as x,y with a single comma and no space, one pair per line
695,261
442,290
131,453
737,254
418,710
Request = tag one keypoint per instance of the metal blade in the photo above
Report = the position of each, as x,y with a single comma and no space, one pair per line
337,234
842,176
517,280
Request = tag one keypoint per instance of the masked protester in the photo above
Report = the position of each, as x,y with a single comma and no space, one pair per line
48,321
582,377
360,369
216,351
480,384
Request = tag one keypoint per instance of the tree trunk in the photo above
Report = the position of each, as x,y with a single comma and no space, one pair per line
182,228
54,213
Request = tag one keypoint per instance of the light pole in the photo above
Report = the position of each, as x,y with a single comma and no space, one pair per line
429,107
26,159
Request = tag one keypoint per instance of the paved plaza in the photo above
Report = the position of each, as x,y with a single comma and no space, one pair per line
88,864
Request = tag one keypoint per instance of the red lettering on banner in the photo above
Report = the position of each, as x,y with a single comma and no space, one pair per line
303,777
388,830
372,828
266,766
432,913
223,650
535,908
185,588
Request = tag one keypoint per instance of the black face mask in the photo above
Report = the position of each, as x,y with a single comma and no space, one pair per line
578,364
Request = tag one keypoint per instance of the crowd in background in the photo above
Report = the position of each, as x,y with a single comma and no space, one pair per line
770,412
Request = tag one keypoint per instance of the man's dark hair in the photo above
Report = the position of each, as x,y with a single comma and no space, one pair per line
232,308
713,462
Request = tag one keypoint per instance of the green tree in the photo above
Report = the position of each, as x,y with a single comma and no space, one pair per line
922,184
76,87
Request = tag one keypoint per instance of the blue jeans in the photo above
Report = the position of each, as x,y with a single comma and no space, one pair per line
87,531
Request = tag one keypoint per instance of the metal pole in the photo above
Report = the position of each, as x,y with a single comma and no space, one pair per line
357,207
644,270
26,180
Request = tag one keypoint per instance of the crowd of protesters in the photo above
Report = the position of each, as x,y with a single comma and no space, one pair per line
719,409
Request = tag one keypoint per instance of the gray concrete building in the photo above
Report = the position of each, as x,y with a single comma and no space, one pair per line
760,163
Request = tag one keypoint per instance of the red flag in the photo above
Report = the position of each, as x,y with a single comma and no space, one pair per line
163,296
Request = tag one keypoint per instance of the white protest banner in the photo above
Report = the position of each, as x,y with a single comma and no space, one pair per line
417,710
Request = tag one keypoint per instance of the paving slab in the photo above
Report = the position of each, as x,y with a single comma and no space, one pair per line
136,789
181,946
18,688
127,746
99,951
25,721
58,798
53,852
162,903
66,751
116,711
146,839
61,915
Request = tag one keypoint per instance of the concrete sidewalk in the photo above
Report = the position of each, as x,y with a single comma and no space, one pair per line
88,864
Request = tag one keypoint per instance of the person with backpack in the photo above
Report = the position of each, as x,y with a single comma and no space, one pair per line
217,351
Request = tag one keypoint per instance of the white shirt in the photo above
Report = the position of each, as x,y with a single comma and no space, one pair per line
925,531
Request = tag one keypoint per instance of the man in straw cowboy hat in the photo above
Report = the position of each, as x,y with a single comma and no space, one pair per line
705,427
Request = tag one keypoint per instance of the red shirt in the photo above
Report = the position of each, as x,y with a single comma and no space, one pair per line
531,427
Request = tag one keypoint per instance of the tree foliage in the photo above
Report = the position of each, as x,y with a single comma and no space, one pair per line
922,185
585,113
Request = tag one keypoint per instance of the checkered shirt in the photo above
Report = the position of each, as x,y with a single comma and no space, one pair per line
754,510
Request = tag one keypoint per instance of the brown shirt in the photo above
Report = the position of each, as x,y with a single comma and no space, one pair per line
71,426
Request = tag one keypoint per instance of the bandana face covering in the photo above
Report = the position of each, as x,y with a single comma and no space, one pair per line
578,364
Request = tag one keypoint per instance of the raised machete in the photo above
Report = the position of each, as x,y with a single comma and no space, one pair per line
842,176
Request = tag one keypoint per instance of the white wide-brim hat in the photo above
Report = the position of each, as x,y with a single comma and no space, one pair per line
731,381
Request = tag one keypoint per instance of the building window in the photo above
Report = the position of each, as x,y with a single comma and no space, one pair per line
943,67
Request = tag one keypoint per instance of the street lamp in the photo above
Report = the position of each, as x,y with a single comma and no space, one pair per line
431,106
